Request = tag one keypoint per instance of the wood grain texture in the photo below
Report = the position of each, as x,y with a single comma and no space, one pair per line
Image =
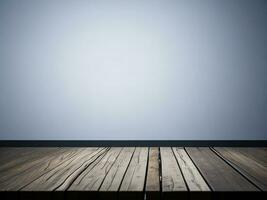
91,178
153,176
172,179
219,175
61,177
173,185
8,154
116,173
257,154
11,158
111,184
132,186
152,188
19,175
24,176
191,174
132,173
253,170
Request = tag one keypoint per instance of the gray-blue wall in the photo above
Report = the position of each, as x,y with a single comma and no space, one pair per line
130,69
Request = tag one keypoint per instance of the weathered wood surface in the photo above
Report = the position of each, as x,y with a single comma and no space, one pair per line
62,176
91,178
21,172
219,175
152,188
192,176
172,179
114,177
116,173
245,164
173,184
12,157
257,154
129,173
132,186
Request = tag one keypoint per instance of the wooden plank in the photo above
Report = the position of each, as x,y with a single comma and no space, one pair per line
112,182
132,186
129,173
61,177
193,178
172,179
152,188
12,157
48,163
10,179
219,175
8,154
13,152
173,185
91,179
257,154
87,184
253,170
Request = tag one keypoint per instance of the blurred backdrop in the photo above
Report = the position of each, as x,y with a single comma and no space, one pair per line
137,69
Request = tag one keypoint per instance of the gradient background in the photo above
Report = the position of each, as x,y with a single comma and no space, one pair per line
148,69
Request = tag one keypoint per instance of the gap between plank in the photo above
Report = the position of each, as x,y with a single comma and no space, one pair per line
74,154
109,169
144,189
126,170
180,169
71,182
234,167
198,170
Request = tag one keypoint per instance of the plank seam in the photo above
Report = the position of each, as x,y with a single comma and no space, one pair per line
105,152
187,187
95,162
126,170
198,170
74,154
144,188
109,170
234,167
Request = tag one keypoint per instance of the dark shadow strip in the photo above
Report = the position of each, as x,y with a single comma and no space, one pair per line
133,143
